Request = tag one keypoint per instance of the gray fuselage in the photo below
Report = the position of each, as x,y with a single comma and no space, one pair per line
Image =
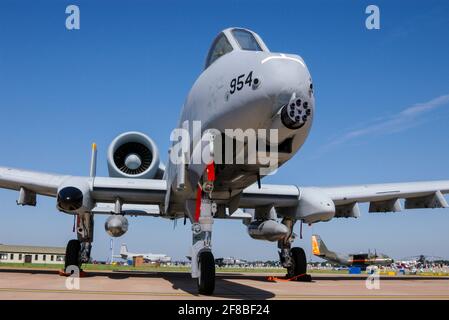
211,102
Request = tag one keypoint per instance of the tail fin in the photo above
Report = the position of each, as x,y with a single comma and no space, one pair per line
318,246
123,250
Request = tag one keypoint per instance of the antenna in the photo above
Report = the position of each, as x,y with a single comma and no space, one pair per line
93,161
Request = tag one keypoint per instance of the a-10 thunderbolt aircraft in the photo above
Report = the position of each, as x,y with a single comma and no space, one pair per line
362,260
243,88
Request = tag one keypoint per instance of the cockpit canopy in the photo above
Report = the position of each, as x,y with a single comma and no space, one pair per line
246,40
234,39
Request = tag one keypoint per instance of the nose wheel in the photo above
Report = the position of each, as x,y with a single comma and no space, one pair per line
206,276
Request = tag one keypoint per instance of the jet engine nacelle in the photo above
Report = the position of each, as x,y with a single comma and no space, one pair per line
116,225
314,206
74,196
269,230
133,155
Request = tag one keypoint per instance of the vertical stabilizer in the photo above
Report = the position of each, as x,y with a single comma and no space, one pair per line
123,250
318,246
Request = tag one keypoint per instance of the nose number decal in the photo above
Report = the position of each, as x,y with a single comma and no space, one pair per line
238,83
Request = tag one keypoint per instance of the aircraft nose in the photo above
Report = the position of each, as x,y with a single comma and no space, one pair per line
289,85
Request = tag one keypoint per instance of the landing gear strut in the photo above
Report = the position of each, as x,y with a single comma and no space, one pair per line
78,250
201,213
293,259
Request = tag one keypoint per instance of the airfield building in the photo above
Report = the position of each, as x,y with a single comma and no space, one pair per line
31,254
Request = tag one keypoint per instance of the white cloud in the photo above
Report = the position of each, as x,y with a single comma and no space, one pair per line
403,120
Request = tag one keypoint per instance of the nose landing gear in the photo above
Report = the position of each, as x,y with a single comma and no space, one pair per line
206,276
203,262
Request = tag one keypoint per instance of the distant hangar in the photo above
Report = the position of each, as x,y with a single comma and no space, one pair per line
31,254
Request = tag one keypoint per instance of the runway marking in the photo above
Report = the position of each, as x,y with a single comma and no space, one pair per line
186,294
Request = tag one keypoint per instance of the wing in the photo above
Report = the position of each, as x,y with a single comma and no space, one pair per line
386,197
144,196
314,204
37,182
139,196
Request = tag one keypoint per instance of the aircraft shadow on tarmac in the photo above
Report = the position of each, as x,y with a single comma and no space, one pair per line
224,286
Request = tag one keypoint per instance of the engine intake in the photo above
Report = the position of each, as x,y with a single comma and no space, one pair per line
133,155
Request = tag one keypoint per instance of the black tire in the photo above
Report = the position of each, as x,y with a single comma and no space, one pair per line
206,280
72,254
300,261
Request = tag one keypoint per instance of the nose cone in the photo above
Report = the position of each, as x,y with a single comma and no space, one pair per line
70,199
287,77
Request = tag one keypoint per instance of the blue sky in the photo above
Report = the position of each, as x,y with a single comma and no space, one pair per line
382,107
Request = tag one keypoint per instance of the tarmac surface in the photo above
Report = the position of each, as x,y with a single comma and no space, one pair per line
47,284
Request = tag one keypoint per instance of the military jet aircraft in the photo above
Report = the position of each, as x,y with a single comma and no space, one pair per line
243,88
362,260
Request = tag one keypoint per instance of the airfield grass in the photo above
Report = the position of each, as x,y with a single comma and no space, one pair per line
156,268
150,268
